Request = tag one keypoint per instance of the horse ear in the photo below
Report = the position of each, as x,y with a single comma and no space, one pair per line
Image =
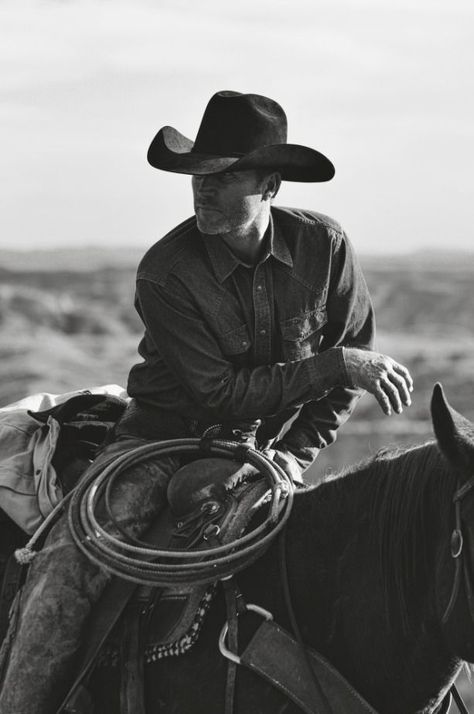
454,433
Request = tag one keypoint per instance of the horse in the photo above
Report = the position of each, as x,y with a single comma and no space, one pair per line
373,582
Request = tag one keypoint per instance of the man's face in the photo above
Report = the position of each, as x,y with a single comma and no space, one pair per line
227,201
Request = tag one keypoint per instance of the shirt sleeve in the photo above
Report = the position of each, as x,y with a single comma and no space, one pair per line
350,323
192,353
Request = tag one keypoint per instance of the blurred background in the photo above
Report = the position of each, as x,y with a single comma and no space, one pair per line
383,88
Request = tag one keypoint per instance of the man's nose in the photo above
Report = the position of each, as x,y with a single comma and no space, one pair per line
204,185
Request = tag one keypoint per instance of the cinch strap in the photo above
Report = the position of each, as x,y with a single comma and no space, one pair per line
263,655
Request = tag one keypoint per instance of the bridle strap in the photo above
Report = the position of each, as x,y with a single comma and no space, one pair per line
463,490
468,588
294,624
457,545
461,568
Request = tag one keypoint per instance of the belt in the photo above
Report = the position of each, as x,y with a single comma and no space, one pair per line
145,421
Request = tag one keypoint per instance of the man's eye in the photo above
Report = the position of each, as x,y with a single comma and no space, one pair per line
227,177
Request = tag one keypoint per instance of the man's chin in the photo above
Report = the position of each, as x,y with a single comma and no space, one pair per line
210,228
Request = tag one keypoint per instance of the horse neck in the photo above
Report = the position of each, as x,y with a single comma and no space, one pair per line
397,505
374,537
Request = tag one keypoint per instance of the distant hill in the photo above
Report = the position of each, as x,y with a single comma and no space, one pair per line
93,257
85,258
67,321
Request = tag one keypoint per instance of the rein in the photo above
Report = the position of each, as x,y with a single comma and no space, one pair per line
461,567
461,570
294,623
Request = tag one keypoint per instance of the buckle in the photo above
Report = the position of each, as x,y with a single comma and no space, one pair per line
222,637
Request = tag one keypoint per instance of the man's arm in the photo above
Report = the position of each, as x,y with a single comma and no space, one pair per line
192,353
350,324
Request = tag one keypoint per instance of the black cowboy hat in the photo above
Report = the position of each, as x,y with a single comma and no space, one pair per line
239,132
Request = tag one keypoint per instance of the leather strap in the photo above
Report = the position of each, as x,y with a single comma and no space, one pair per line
100,624
263,655
234,605
232,637
132,680
81,702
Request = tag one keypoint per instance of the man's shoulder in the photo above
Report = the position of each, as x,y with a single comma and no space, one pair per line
304,216
174,247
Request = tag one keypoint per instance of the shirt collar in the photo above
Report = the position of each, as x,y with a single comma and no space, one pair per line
224,262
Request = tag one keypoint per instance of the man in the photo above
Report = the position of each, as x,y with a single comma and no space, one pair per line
253,312
258,325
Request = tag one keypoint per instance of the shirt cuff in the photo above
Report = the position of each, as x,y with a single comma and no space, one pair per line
326,371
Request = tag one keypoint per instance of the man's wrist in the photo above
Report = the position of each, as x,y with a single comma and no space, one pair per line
328,370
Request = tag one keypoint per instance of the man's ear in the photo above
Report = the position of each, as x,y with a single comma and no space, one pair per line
271,185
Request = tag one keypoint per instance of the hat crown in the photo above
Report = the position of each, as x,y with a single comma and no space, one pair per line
234,124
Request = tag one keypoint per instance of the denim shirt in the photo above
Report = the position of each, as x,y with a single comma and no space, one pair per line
225,341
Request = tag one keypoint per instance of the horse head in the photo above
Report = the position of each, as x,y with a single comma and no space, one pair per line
455,437
454,433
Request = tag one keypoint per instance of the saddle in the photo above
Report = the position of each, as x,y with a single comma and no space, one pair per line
157,623
215,510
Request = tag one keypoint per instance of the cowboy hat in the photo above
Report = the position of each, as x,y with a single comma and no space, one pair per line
239,132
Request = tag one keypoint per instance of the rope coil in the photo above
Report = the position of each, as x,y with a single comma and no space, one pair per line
144,564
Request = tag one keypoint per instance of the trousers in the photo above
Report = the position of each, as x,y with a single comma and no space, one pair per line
61,589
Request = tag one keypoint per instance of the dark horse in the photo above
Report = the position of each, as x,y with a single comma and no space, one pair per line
371,574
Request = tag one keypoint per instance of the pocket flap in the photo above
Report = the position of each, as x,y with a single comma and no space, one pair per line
304,325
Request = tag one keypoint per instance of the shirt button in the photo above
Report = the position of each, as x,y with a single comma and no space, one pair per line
244,343
259,288
263,332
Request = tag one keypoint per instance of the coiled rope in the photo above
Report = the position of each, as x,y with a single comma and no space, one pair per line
140,562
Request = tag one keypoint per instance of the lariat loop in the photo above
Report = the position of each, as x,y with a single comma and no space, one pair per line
142,563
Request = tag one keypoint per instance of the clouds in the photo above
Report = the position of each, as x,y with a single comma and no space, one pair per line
382,87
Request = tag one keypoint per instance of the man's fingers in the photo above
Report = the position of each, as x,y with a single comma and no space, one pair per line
392,392
402,386
400,369
389,381
382,399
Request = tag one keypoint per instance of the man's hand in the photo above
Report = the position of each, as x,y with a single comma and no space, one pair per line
388,381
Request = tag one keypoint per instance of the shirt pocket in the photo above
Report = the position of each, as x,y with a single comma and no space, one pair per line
236,344
302,334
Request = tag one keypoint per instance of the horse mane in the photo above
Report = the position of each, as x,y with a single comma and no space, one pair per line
406,494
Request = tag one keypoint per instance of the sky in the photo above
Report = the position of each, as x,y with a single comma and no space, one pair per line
382,87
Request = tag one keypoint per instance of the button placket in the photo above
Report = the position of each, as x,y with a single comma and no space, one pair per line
262,316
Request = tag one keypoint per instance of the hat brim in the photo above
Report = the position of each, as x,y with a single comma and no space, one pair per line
172,151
